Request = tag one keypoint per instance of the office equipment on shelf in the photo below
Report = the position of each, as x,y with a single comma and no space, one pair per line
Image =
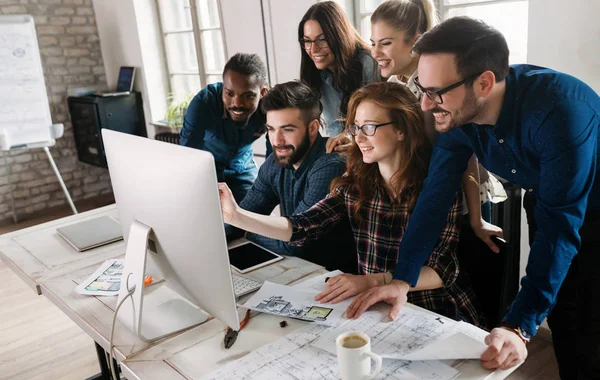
91,233
25,120
91,114
168,203
124,82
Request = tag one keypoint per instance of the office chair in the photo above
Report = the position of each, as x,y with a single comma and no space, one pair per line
494,277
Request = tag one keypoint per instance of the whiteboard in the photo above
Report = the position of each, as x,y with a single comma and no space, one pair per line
25,118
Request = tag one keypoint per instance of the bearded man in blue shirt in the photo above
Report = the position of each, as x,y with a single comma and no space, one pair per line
224,119
539,129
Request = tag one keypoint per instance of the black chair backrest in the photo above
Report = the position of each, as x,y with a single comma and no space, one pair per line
495,277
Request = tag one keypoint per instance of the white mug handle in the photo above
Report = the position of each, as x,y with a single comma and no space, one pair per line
378,361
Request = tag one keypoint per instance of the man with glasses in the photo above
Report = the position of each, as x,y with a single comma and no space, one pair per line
298,174
537,128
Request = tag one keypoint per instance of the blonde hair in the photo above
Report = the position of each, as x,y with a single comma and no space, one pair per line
410,16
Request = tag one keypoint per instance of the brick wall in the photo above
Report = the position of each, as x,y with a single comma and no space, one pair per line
71,57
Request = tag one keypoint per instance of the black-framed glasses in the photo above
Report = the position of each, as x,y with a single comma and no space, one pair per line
321,43
367,129
436,95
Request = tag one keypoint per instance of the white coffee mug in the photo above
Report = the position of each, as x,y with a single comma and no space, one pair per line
354,356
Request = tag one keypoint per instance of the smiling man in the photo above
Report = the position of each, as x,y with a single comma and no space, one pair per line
537,128
224,119
298,174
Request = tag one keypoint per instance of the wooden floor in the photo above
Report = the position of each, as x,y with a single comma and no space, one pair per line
38,341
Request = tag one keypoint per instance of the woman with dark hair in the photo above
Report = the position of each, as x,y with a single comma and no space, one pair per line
335,60
386,168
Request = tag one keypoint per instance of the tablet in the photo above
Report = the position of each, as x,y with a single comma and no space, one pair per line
248,257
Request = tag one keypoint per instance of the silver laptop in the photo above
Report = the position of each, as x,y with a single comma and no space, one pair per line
91,233
124,83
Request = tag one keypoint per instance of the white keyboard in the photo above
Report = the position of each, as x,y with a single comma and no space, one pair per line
243,285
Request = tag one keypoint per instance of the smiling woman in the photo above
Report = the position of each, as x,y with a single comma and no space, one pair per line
335,60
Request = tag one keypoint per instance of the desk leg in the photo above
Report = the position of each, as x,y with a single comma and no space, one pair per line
104,367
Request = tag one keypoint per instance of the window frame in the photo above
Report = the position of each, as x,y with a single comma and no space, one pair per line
443,9
196,31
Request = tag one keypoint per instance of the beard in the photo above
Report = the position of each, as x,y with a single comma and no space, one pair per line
469,109
296,153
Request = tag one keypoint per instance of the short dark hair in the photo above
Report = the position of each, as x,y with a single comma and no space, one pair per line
293,94
477,46
247,64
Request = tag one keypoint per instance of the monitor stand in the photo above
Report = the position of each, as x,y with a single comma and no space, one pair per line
155,311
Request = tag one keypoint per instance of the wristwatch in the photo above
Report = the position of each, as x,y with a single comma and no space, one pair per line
524,335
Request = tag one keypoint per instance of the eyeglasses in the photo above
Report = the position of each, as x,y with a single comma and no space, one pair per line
320,42
436,95
367,129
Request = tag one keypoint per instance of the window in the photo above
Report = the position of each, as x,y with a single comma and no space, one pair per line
193,44
508,16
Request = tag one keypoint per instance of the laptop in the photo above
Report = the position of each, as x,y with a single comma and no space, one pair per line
91,233
124,83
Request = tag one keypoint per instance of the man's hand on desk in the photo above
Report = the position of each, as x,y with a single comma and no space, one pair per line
505,349
393,293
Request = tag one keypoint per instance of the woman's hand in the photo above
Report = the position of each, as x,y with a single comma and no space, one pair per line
485,231
345,285
229,207
340,144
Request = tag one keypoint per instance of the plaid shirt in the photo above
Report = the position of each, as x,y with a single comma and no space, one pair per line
378,233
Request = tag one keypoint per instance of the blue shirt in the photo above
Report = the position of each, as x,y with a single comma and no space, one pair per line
546,141
207,126
294,190
332,98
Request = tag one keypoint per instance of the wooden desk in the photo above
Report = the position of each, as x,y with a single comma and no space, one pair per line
52,268
37,253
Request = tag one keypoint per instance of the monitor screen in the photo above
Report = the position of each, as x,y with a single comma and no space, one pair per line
126,76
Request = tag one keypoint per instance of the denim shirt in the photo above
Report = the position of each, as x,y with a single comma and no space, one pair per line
207,126
295,190
545,140
332,98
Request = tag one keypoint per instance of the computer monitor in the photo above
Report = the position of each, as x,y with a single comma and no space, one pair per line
168,203
125,80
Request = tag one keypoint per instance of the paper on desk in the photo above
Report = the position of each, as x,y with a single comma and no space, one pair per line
317,283
293,357
105,281
288,301
414,335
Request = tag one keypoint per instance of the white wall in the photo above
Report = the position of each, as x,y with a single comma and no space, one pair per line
565,36
283,18
124,26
